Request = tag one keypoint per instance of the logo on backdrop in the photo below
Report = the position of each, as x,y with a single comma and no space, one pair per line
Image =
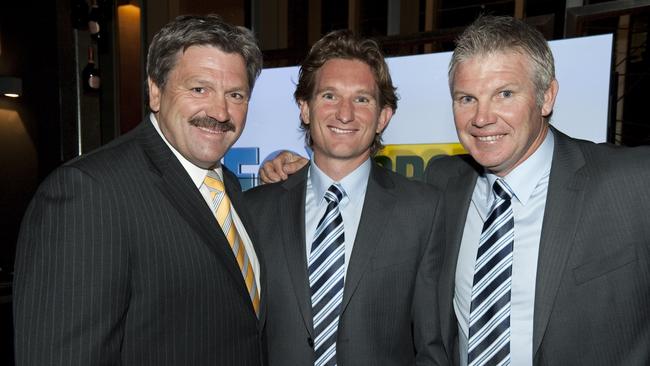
409,160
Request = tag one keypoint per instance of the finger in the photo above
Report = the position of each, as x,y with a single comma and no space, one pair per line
296,164
276,165
267,174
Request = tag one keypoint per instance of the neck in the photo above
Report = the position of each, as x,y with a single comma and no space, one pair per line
338,169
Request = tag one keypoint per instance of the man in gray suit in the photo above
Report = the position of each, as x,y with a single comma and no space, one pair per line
351,248
552,266
575,289
121,258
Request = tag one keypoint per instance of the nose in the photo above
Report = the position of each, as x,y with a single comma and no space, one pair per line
345,111
484,114
218,108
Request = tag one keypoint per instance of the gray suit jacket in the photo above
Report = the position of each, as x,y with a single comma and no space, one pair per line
592,296
389,314
120,261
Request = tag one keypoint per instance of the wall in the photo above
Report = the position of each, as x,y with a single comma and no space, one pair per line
29,129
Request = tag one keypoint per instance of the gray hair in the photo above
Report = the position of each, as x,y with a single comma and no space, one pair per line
195,30
495,34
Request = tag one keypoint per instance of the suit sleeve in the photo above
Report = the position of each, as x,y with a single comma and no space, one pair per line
426,316
71,275
438,170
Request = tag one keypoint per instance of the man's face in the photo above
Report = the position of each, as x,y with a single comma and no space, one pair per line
495,111
202,107
344,114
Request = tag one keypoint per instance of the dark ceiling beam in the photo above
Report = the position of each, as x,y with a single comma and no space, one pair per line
577,17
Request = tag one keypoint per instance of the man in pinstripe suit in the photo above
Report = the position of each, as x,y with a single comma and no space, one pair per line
120,260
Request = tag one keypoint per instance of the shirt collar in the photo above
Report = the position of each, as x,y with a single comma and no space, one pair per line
524,178
196,173
354,184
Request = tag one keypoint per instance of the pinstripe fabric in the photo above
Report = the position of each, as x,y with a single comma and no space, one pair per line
119,262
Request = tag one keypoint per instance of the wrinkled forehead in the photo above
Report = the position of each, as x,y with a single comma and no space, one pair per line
507,58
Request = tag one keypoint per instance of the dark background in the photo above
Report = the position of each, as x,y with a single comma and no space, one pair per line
40,129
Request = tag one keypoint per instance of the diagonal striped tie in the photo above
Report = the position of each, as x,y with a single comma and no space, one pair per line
489,319
221,206
326,277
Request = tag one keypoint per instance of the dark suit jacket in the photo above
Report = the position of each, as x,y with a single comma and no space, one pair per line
120,261
592,296
389,301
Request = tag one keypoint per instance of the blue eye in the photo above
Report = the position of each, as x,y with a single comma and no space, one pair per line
506,93
465,99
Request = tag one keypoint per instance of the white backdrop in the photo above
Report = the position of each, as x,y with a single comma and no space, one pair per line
424,113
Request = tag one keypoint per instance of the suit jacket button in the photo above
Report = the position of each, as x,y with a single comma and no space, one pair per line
310,342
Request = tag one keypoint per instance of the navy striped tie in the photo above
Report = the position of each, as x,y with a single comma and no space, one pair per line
489,318
326,277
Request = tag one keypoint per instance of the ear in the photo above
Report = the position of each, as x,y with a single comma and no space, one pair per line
384,117
154,96
549,98
304,111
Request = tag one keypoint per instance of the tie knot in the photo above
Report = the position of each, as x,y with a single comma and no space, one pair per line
213,181
334,193
501,189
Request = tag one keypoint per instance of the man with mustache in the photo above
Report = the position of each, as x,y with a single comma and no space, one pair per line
138,253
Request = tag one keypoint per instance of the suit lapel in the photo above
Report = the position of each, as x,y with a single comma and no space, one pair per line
564,203
292,228
458,195
377,210
176,186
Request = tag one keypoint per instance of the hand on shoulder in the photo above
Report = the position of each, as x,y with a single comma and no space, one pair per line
280,167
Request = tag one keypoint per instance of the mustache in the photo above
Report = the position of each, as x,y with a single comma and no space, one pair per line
213,124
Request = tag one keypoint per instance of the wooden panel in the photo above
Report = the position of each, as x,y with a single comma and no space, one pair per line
576,17
130,73
230,10
409,17
315,15
520,5
354,7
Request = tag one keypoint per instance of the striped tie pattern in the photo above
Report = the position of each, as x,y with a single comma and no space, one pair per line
326,277
489,319
221,206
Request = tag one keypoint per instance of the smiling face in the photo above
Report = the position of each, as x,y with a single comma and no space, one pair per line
202,107
497,118
344,116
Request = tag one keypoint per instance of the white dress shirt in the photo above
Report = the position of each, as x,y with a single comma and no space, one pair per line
197,175
529,182
351,205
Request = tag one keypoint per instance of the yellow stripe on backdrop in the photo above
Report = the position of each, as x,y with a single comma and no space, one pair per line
410,160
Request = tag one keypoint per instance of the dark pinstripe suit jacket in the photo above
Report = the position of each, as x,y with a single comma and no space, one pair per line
592,294
389,314
120,261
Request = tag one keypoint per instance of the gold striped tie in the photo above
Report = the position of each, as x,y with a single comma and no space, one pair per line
221,207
